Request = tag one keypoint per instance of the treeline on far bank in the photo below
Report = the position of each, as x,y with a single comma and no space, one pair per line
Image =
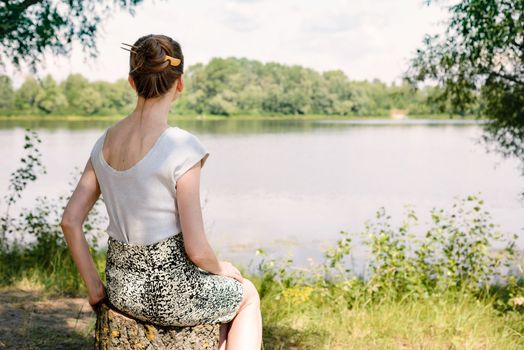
229,86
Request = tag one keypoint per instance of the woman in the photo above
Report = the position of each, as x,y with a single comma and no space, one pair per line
160,267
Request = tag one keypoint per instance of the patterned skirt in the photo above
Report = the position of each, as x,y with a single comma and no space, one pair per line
157,283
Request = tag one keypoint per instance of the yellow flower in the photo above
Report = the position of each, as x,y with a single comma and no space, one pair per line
297,294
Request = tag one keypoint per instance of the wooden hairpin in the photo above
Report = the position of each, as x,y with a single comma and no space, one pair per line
172,60
129,46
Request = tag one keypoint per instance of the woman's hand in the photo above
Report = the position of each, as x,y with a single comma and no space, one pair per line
227,269
97,298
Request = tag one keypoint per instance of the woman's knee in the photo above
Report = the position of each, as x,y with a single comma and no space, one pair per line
250,292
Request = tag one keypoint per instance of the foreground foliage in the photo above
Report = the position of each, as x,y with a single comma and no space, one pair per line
456,284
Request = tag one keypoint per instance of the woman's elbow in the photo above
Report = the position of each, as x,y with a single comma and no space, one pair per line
197,255
68,221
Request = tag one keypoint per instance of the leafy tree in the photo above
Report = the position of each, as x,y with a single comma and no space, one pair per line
90,101
335,95
115,96
73,87
7,92
29,27
25,96
50,99
366,98
479,62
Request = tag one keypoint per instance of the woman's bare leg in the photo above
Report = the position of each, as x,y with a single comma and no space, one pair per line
245,332
224,328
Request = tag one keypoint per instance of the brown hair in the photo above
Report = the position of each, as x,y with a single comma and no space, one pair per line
152,74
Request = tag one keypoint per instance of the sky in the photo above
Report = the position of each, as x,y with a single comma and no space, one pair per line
366,39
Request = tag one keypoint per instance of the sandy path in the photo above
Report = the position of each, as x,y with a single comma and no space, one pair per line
29,320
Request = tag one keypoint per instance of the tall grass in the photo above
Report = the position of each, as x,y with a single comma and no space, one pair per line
455,284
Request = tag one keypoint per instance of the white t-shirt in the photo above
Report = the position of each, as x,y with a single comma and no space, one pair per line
141,201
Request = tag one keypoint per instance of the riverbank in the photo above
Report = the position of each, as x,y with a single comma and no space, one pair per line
30,318
232,117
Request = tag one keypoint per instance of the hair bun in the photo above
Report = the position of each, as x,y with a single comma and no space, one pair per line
151,56
152,73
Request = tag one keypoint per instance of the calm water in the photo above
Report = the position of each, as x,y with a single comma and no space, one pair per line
290,186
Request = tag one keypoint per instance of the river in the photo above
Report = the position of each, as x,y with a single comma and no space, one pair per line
290,186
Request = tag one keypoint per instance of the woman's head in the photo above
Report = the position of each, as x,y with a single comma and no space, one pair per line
152,74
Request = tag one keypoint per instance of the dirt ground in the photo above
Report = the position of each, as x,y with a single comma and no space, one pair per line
30,320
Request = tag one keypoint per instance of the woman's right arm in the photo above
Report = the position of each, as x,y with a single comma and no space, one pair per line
190,212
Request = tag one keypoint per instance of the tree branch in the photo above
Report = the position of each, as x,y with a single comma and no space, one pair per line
507,77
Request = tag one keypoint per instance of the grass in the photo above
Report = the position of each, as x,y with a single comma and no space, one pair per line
308,317
298,316
440,322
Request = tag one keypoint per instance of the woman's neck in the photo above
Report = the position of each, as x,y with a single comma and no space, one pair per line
152,110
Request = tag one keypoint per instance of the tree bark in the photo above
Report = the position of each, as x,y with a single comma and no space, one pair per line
115,330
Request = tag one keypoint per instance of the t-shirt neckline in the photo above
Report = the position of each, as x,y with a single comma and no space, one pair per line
137,164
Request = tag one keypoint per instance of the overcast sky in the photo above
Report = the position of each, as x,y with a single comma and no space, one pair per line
366,39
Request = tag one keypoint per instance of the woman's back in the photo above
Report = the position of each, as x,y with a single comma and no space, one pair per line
141,200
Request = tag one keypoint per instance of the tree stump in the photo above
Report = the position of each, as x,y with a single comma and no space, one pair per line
116,330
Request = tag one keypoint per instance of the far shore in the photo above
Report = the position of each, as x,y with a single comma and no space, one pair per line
237,117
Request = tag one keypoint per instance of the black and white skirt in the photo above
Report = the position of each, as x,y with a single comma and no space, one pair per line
157,283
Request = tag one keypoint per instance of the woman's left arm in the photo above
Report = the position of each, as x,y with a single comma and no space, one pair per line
82,200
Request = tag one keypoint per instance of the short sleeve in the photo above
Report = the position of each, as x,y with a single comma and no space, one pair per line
193,152
94,154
